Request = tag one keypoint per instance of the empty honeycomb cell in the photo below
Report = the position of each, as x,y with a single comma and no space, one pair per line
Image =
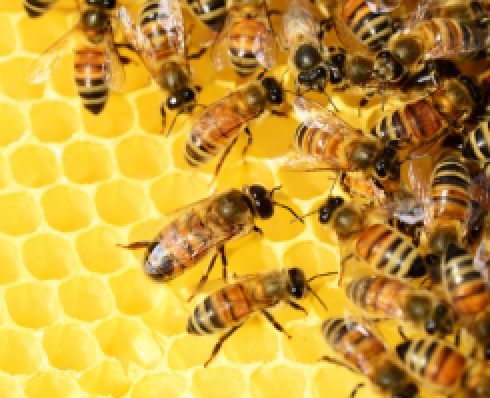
168,308
86,162
115,119
5,177
328,377
10,260
7,36
13,80
209,382
20,351
37,34
134,292
313,258
168,385
128,341
10,388
48,256
273,137
174,190
121,202
98,251
301,185
34,166
70,347
303,347
147,108
248,346
142,156
105,378
188,351
279,227
51,384
32,304
19,212
86,298
14,123
59,126
278,381
249,173
251,256
67,208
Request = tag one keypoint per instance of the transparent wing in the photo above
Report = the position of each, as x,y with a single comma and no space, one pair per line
309,163
219,50
171,21
298,20
267,55
51,58
383,6
116,76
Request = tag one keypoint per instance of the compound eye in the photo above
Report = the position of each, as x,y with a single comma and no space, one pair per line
188,95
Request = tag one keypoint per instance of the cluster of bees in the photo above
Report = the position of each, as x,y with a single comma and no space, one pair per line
437,231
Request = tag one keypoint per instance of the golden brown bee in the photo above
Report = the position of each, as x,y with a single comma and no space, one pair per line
393,298
442,369
229,307
247,40
365,353
217,128
211,12
468,290
203,227
98,66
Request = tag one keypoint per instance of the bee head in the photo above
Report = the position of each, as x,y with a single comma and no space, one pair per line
325,211
108,4
388,163
95,23
441,320
307,56
392,378
388,66
298,284
262,200
314,79
274,90
181,98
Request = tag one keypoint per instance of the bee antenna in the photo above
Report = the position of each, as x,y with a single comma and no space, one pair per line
289,209
320,275
317,297
173,121
300,218
330,100
276,189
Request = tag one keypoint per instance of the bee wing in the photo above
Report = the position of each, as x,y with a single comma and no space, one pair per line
298,20
419,172
309,163
219,50
51,58
267,55
116,76
480,196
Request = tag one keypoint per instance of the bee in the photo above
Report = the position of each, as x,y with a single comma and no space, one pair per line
98,65
247,40
204,227
226,309
365,353
35,8
468,290
476,146
382,295
210,12
442,369
217,128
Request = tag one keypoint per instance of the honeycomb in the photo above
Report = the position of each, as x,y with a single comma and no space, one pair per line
77,315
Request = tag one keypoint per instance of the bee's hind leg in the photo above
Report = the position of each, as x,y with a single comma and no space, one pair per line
220,342
204,278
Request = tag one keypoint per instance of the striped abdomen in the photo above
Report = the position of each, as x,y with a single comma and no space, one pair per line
464,283
36,8
476,145
440,366
411,231
210,12
312,140
450,190
247,38
390,252
92,68
413,123
223,309
372,27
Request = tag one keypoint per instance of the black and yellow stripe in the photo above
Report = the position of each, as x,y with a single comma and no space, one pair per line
36,8
199,151
476,146
211,12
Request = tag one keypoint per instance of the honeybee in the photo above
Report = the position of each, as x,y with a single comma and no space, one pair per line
468,290
247,40
35,8
211,12
98,66
387,296
217,128
229,307
442,369
365,353
203,227
323,141
476,146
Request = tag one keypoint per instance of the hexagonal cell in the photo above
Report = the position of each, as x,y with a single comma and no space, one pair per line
98,251
160,385
106,378
59,126
121,202
67,208
48,256
13,80
251,256
70,347
37,34
148,111
283,381
8,40
134,292
174,190
10,260
20,214
32,304
327,379
51,384
128,341
247,345
116,119
34,166
169,308
238,174
301,185
188,351
142,156
304,345
21,352
86,298
209,382
10,387
14,123
86,162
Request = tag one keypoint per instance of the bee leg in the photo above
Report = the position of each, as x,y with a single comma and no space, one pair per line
224,261
278,113
325,27
342,266
401,333
457,338
134,245
197,55
334,361
223,157
354,391
344,186
276,324
258,230
363,102
220,342
204,278
297,306
249,142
